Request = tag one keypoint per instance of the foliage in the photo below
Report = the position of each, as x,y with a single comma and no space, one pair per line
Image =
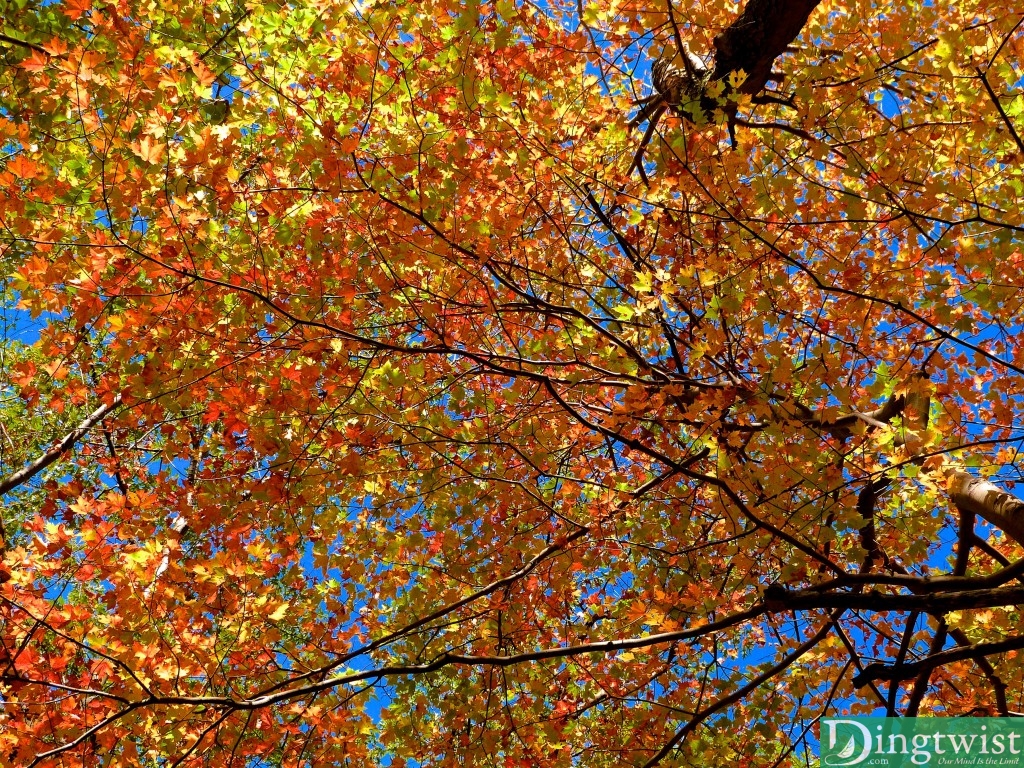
417,428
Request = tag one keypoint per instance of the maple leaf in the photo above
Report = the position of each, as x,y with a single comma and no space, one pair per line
23,168
74,9
149,149
36,62
55,47
368,407
206,76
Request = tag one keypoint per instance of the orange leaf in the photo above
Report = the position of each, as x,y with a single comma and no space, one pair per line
204,73
149,149
56,47
23,168
36,62
74,9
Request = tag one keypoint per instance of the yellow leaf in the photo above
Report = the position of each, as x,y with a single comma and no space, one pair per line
737,78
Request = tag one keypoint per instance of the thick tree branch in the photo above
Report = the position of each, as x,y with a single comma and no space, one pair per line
759,36
22,44
981,497
751,43
779,598
899,672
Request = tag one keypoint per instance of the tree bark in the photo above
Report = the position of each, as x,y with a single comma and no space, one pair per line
986,500
778,598
758,37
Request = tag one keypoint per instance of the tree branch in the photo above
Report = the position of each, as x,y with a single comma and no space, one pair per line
897,672
740,693
23,44
759,36
1003,510
26,473
72,437
1002,112
779,598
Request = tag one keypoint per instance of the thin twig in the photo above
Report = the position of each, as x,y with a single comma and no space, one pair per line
223,37
740,693
1002,112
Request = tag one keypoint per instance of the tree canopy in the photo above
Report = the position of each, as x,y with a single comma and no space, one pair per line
398,383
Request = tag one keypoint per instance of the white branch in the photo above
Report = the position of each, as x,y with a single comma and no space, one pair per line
1002,509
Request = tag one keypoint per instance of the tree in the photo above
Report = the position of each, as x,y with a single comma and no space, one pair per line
382,413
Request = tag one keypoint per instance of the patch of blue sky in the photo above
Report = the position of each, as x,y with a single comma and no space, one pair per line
18,325
101,218
140,223
329,579
228,89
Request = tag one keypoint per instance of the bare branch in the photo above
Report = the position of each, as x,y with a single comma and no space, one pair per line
72,437
981,497
899,672
26,473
